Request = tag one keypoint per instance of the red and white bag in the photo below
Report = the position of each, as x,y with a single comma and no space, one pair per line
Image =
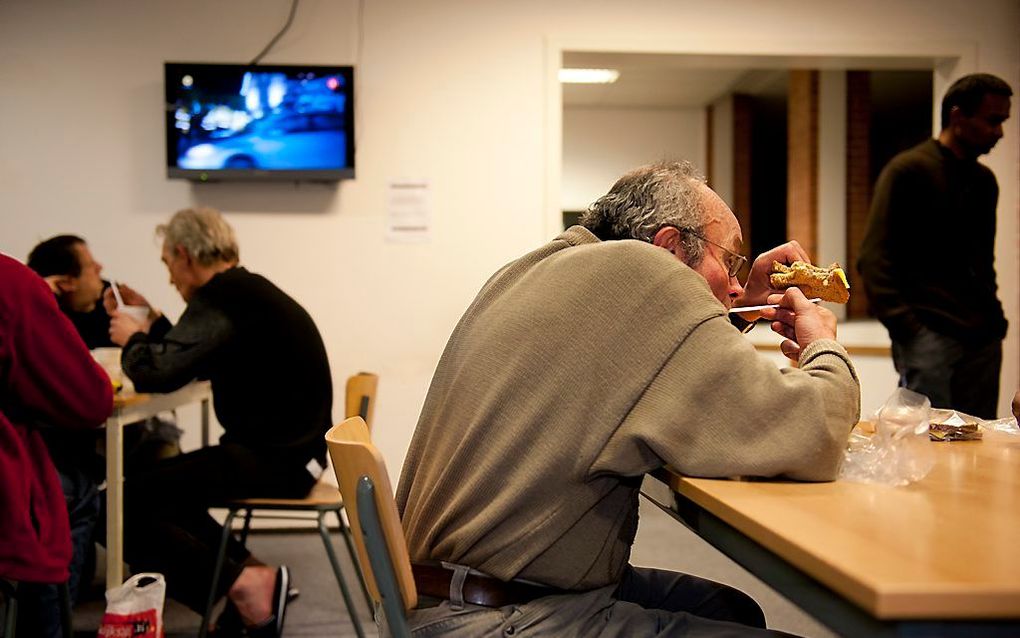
135,610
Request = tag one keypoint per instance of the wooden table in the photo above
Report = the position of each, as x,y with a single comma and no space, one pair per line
938,557
126,410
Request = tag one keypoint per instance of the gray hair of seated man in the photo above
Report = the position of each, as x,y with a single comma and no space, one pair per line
203,233
648,198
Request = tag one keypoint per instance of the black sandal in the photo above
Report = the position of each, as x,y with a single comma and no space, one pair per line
273,626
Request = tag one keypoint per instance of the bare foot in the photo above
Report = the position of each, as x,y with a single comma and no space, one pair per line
252,594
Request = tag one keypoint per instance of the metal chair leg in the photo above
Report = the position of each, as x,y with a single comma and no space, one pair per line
11,613
246,528
345,533
324,532
203,631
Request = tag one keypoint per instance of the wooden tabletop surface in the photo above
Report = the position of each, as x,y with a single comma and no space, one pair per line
122,400
194,391
946,547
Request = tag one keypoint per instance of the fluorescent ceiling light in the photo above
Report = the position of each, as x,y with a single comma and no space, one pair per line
589,76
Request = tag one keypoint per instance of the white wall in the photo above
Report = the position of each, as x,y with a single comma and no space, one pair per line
832,172
600,144
454,91
832,167
722,148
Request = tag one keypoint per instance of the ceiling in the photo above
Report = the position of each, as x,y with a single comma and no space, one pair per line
688,81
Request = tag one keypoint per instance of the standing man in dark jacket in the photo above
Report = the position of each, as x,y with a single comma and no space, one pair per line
927,258
273,395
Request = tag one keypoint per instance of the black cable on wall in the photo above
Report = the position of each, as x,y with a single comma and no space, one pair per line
290,19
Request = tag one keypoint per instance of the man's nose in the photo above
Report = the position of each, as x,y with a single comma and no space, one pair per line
735,288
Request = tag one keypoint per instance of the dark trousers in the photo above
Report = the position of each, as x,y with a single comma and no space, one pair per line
952,374
168,528
675,592
39,605
647,602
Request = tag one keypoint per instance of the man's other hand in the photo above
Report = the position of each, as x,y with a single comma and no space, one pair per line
758,288
127,294
799,321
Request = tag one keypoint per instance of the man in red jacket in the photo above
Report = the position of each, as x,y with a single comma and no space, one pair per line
47,379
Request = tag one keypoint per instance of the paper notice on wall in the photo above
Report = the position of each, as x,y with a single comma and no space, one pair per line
410,211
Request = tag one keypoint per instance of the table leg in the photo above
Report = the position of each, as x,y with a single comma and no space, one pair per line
114,502
205,422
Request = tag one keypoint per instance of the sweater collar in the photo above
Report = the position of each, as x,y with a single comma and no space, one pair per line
578,235
947,154
221,276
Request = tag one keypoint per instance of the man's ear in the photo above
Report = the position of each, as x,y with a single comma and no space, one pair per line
180,251
62,284
668,237
955,115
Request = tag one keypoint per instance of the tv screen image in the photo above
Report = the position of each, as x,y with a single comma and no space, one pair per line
234,121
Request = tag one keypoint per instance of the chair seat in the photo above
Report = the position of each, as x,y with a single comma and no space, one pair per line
323,499
324,496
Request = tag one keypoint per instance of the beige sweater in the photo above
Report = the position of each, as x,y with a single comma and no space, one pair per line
577,369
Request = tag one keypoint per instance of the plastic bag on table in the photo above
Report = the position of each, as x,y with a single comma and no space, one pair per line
1008,426
996,429
899,452
135,609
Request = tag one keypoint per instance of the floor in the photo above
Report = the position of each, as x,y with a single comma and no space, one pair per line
319,610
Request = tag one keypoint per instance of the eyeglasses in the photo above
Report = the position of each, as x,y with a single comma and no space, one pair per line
733,262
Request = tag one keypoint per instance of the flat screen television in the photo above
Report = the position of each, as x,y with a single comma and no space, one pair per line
265,122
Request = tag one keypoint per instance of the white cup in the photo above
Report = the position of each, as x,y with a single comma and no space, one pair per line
138,313
109,360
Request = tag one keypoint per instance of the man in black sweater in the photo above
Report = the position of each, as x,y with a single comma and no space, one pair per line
927,258
272,391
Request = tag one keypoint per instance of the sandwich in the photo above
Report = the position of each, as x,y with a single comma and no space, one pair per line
952,432
955,427
828,284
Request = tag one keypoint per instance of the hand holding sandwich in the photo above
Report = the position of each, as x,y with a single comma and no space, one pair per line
758,286
799,321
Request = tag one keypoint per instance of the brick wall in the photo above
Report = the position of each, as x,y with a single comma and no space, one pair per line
858,181
802,158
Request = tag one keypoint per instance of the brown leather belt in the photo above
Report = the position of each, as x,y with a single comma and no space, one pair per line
434,581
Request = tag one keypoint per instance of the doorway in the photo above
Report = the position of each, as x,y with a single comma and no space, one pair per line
728,114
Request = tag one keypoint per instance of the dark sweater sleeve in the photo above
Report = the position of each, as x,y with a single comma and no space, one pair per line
886,250
51,372
168,359
160,327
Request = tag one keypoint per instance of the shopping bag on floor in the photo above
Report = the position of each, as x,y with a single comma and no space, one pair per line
135,609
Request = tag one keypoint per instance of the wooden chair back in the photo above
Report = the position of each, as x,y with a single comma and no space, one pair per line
360,469
360,401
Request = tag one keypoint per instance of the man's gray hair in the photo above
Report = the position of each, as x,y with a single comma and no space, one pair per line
203,233
648,198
